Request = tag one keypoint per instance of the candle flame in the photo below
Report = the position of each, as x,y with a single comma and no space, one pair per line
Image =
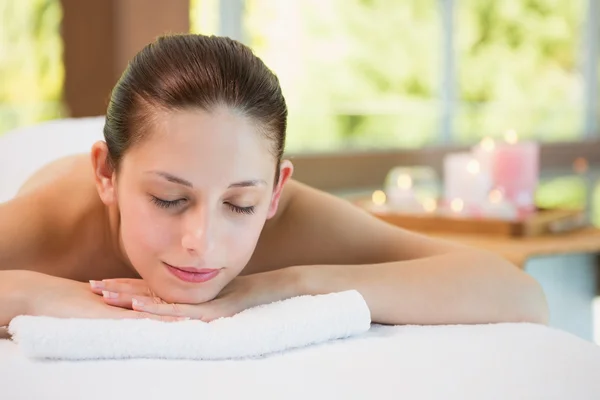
511,136
496,196
457,205
488,144
473,167
405,181
429,205
378,198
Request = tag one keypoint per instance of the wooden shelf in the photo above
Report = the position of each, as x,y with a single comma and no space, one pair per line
519,250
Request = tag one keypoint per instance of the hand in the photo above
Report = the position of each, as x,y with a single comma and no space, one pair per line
241,293
64,298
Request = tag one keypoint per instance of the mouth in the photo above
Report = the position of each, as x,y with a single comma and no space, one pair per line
193,275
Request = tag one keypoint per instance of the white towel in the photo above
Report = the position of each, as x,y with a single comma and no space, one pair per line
275,327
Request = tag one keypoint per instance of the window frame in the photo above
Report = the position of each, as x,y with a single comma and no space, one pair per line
329,171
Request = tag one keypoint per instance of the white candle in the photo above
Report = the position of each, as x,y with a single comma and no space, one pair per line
484,153
498,208
401,195
465,179
455,208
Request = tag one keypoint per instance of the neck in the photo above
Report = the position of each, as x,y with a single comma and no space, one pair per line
115,242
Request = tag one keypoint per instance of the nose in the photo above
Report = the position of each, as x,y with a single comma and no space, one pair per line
197,236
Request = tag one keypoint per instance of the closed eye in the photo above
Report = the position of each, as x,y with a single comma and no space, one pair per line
241,210
166,203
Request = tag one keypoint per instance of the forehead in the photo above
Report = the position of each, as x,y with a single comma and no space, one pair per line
191,142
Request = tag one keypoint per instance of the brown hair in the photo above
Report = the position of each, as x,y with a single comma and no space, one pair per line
187,71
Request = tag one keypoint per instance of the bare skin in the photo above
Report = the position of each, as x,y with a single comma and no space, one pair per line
83,219
78,219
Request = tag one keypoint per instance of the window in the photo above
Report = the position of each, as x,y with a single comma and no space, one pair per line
204,16
355,73
362,74
519,66
31,69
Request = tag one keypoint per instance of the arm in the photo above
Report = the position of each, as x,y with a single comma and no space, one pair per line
405,278
22,233
12,302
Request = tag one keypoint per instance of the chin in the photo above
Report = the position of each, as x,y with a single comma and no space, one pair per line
172,290
179,295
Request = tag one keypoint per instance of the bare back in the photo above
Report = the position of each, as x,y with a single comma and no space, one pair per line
67,226
58,225
58,218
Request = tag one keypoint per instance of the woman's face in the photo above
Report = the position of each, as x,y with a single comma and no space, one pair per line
193,197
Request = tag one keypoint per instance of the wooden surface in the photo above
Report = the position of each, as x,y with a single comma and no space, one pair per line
543,222
519,250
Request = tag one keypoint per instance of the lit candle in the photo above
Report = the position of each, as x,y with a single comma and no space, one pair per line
484,153
401,195
455,208
465,179
378,200
516,169
429,205
497,207
511,136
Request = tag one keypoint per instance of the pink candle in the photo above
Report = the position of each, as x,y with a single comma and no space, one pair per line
515,170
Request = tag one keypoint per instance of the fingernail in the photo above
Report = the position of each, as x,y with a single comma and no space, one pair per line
109,295
137,303
97,284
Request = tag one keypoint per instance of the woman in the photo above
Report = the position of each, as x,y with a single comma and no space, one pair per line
187,210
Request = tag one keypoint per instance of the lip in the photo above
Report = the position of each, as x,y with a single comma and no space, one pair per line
194,275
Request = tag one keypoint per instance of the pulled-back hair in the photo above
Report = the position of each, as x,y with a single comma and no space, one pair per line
191,71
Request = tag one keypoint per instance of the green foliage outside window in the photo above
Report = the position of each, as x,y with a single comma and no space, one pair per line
31,68
363,74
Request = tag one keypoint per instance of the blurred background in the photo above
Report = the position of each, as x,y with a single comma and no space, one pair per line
370,84
387,73
358,75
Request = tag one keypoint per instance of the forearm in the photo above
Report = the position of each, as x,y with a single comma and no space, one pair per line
455,288
12,295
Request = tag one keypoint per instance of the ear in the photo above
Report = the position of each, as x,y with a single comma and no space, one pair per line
286,169
104,174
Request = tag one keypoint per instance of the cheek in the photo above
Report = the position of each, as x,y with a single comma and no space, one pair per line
240,241
144,234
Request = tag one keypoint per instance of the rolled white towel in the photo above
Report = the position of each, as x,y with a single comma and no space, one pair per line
258,331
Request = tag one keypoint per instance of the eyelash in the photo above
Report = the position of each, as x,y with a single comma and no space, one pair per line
168,204
165,203
241,210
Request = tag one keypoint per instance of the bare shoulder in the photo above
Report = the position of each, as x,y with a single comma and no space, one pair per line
315,227
59,171
38,224
62,191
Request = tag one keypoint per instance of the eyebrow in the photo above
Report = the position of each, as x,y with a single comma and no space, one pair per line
181,181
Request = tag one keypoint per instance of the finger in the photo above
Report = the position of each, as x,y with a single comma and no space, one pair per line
124,300
144,315
132,286
167,309
109,312
205,312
